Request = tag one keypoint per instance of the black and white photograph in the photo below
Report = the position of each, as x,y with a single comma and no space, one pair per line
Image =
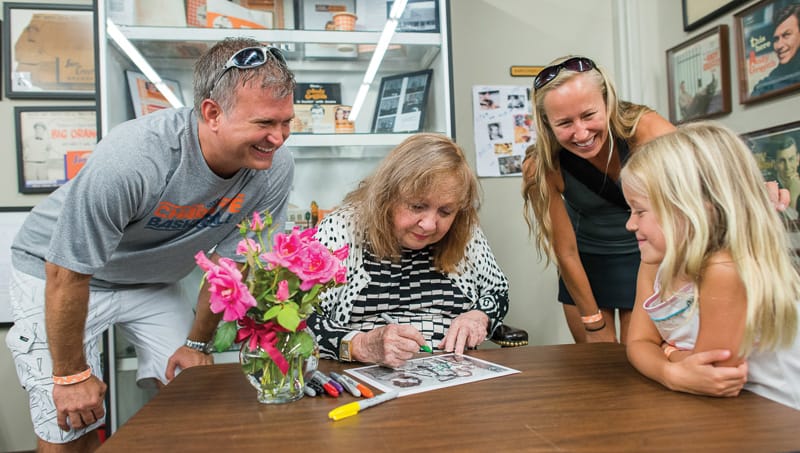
53,144
402,100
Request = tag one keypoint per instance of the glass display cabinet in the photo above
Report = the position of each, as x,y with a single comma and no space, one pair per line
390,69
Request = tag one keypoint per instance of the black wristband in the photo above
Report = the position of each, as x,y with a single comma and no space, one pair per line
596,328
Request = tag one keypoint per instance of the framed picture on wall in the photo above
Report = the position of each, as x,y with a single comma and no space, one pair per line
767,50
778,156
145,97
698,74
48,51
53,144
697,13
401,102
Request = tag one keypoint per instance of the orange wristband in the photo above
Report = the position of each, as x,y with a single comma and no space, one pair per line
669,349
592,318
74,378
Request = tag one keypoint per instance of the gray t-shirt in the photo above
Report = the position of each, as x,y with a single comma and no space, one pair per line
145,203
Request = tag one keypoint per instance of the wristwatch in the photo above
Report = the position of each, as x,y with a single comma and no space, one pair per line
205,348
346,347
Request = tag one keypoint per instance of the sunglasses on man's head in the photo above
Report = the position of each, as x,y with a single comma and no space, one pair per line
250,57
577,64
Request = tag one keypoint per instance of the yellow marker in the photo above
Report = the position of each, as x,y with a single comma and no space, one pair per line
351,409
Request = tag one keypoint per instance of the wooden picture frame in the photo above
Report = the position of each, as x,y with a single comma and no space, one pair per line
697,13
401,102
145,97
53,144
699,78
48,51
765,72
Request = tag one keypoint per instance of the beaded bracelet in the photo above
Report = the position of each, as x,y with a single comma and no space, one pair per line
73,378
592,318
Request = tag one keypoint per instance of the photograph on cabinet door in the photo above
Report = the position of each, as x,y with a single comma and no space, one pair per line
699,77
53,144
768,49
48,51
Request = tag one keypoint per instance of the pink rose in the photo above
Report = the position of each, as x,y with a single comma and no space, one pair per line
246,246
228,293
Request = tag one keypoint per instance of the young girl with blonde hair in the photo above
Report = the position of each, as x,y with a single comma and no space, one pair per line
725,280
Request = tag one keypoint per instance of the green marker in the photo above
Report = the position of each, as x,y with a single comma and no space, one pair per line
389,320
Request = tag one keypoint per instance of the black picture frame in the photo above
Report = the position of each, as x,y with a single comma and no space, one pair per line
421,16
48,51
697,13
402,101
761,73
767,143
68,135
699,77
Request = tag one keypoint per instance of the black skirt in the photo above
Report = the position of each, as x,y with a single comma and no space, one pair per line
612,277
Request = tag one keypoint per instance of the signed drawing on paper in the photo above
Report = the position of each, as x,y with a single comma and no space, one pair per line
430,373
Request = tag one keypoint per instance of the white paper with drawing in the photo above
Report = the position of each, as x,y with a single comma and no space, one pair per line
430,373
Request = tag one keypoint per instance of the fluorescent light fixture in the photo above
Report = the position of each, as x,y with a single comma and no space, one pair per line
377,57
133,54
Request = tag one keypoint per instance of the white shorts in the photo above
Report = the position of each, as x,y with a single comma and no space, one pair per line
154,319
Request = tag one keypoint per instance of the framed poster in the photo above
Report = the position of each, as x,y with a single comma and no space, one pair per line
48,51
145,97
53,144
700,12
776,151
401,102
698,74
767,49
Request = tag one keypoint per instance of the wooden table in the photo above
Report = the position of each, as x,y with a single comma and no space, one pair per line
567,398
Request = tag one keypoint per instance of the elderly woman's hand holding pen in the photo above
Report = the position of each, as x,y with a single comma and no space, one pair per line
391,345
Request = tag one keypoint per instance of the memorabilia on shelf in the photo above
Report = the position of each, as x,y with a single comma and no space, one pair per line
225,14
419,16
698,74
53,144
342,123
318,15
145,96
401,102
48,51
315,107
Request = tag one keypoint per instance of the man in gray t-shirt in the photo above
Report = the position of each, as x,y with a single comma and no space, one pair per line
110,246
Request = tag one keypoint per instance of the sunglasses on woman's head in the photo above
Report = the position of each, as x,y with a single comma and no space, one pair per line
577,64
250,57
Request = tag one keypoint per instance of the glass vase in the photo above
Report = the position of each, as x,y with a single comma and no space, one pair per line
274,387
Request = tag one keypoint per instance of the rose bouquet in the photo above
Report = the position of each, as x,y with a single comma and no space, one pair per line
267,309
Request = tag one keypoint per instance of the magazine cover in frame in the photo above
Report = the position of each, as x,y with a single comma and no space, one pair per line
699,77
778,157
767,49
